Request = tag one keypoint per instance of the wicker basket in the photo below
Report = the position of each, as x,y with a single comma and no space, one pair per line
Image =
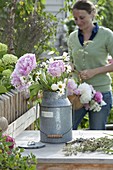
75,100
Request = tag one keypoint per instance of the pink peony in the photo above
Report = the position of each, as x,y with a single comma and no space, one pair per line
77,92
98,97
26,64
11,140
71,87
18,82
15,79
56,68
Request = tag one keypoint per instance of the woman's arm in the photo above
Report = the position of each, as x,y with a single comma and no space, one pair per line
87,74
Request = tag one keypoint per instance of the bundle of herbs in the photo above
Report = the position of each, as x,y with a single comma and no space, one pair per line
102,144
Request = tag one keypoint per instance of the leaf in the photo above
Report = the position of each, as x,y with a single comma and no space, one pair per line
43,2
1,69
2,89
34,91
33,86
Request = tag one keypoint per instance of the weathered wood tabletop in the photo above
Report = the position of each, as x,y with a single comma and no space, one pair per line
51,157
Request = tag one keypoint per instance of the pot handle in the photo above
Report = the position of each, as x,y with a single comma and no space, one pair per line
55,136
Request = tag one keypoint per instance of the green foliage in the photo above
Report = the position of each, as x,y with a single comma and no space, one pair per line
70,25
29,27
13,159
7,64
84,123
105,13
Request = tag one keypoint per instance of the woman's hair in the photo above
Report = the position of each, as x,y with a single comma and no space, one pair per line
85,5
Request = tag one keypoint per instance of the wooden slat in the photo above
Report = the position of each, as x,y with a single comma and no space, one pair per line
19,104
22,109
10,111
1,108
7,106
15,93
12,107
23,102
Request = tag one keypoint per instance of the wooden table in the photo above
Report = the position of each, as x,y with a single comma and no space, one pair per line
51,157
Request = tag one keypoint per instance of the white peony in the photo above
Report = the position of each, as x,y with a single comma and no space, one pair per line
86,93
85,98
85,88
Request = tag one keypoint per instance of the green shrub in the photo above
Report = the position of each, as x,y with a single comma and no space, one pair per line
12,159
7,64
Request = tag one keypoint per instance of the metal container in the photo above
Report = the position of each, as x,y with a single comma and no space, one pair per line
55,118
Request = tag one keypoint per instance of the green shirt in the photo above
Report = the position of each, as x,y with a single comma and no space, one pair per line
93,55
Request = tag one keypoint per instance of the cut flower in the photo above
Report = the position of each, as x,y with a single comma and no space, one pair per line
47,75
87,96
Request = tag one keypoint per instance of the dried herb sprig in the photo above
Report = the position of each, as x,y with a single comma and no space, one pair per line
102,144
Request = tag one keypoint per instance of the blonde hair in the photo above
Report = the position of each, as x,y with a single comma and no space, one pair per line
3,124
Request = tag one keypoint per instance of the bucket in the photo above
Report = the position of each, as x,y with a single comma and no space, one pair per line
55,118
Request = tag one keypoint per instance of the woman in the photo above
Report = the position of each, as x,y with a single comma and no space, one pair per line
91,60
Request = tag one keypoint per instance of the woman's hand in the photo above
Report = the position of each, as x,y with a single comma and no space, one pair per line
87,74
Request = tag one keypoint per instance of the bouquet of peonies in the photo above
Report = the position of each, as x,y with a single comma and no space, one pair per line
54,75
39,76
84,95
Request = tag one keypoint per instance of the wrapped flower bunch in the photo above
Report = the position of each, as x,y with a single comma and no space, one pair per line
87,96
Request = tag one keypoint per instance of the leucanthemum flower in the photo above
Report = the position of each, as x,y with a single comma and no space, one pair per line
61,85
68,69
61,92
44,65
65,56
38,73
